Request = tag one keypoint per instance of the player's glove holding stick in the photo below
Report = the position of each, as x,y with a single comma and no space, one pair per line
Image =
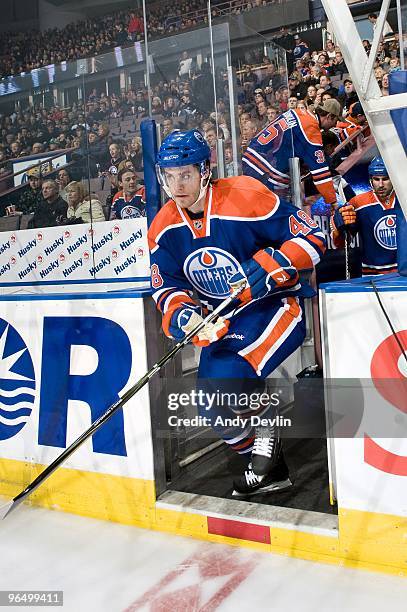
185,319
344,220
268,271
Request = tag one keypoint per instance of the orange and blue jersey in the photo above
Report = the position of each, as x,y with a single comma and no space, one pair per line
376,222
124,207
197,256
295,133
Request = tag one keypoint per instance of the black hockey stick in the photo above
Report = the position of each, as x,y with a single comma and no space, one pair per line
16,501
403,350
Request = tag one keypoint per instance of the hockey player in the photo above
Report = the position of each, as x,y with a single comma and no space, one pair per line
128,203
372,214
294,133
208,236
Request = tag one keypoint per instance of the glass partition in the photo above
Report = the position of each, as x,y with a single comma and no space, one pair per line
80,121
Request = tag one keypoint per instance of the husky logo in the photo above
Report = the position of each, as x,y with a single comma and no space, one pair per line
62,258
115,254
13,238
67,234
116,229
86,255
385,232
39,236
17,382
208,269
13,261
40,259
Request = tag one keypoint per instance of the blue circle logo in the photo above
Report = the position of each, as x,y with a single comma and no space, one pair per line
209,269
17,382
385,232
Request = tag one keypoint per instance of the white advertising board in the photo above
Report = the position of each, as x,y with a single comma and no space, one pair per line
64,360
110,251
371,471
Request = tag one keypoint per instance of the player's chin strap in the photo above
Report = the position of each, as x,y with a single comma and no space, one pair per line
16,501
205,181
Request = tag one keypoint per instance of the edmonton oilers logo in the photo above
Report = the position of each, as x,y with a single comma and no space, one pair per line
17,382
385,232
208,270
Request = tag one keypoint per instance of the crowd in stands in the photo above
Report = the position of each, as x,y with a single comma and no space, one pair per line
93,132
101,34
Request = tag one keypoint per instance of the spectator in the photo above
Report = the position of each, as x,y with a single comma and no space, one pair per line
82,208
186,108
249,130
338,67
258,96
128,203
326,84
394,64
270,77
292,102
37,148
116,156
261,114
272,113
330,49
301,48
63,179
185,65
121,36
311,95
135,153
15,149
135,26
323,63
287,41
387,29
229,165
31,197
51,210
211,139
385,85
349,95
297,88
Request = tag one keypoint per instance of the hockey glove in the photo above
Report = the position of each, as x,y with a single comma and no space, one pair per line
344,219
269,270
184,320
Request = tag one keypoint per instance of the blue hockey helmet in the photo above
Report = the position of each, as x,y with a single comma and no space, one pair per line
377,167
183,148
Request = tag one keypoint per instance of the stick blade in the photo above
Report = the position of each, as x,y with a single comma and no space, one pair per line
7,508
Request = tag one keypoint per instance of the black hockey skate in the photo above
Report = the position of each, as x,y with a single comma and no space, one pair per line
266,450
250,484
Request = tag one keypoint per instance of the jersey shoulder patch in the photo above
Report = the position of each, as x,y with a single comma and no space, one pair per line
118,195
310,126
363,199
242,197
166,218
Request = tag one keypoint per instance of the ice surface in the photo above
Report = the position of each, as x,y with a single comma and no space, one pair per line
106,567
